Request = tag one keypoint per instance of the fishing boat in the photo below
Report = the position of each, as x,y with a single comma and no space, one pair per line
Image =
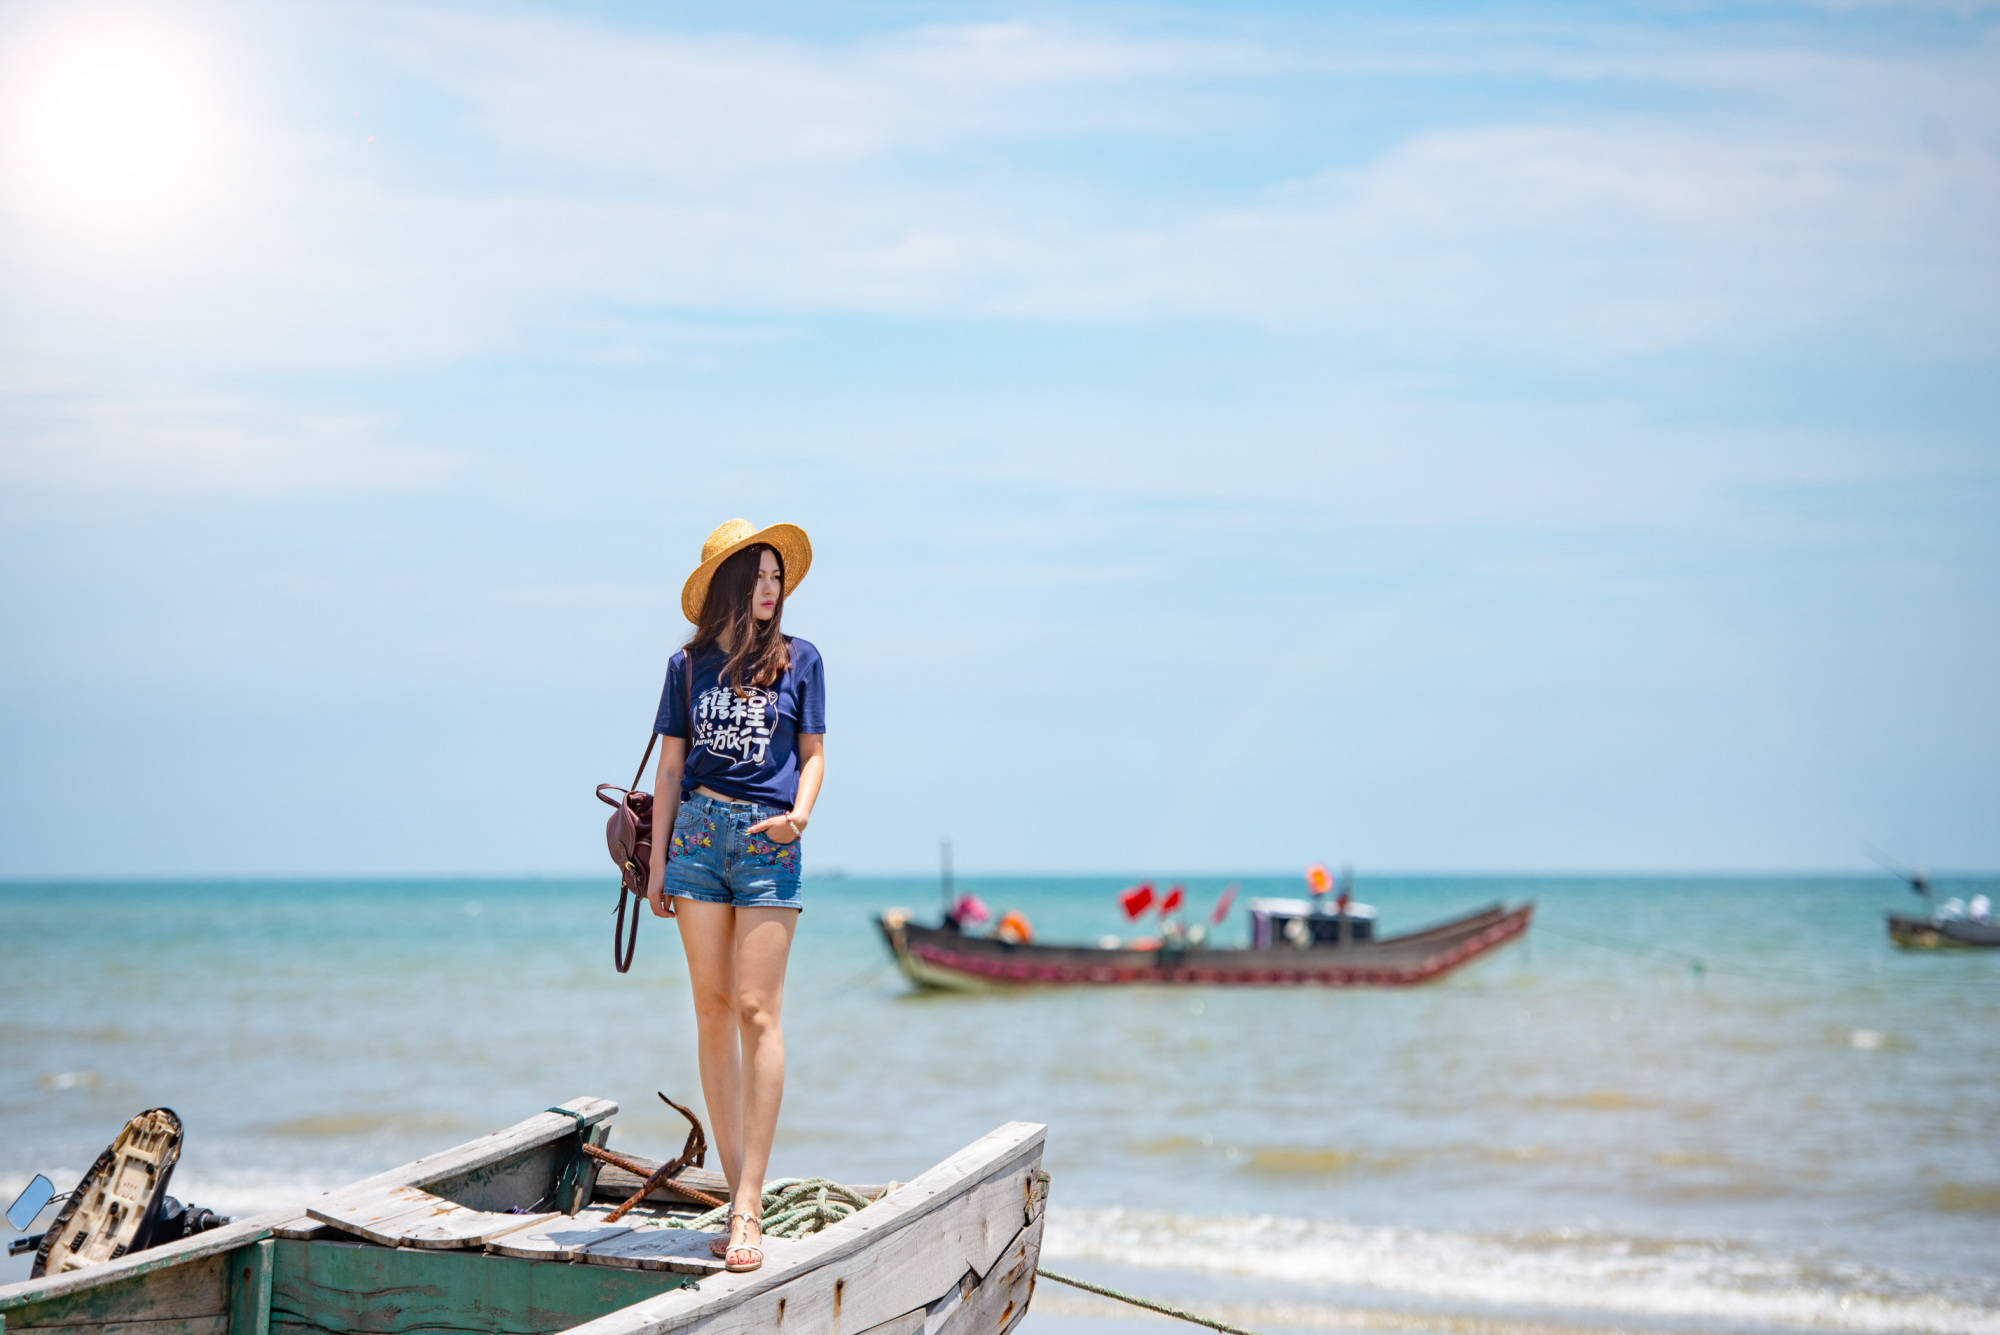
1956,923
1941,930
515,1234
1292,943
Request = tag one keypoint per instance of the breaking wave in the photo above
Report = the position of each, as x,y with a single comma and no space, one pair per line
1589,1278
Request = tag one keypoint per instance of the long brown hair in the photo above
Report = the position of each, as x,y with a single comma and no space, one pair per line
761,654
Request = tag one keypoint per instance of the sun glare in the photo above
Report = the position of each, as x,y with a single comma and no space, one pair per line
111,123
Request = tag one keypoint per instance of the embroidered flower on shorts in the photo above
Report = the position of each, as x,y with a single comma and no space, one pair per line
770,850
700,833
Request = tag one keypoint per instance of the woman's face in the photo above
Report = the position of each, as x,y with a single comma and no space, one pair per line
770,582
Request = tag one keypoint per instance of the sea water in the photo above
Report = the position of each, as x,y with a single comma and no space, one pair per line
1678,1104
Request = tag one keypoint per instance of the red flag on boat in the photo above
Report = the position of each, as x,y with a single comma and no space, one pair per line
1319,878
1172,900
1137,900
1222,905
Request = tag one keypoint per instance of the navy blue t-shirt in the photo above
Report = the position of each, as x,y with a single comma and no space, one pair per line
744,746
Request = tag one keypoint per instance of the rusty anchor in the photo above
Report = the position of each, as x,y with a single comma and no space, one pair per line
692,1155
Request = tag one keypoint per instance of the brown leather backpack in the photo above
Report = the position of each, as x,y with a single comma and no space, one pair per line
629,835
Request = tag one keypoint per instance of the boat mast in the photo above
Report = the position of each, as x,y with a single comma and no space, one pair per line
944,872
1919,881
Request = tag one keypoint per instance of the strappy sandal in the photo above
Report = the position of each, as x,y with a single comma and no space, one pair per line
744,1247
720,1247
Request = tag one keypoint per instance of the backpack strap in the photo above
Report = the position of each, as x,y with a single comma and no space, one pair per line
624,936
687,698
639,776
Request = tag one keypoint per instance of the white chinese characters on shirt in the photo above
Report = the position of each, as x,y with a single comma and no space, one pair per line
734,727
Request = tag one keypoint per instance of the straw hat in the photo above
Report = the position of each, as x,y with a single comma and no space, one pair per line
795,551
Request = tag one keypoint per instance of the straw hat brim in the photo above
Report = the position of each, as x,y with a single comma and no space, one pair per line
794,550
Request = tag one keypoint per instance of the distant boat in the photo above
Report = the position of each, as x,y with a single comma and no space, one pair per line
1293,944
1951,924
1940,931
501,1236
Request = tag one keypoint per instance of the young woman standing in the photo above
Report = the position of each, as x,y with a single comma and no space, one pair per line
742,722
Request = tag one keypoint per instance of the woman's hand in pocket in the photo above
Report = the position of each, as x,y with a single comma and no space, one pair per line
784,829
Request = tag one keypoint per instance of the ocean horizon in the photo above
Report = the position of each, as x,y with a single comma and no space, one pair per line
1267,876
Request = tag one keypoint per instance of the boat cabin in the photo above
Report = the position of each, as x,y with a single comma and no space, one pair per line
1302,922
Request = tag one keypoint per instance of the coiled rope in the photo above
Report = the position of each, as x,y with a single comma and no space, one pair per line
794,1207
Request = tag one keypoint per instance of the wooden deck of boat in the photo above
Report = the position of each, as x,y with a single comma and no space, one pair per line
950,1252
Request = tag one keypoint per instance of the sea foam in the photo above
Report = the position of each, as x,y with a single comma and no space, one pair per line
1594,1275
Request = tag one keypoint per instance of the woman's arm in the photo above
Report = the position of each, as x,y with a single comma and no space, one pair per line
666,807
812,768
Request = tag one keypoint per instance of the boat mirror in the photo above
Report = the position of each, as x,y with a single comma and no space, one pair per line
29,1203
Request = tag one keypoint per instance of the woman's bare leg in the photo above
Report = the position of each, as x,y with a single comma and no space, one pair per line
763,944
708,936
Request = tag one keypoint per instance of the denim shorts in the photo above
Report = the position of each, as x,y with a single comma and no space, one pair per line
713,858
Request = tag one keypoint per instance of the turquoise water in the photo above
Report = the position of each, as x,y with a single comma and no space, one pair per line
1583,1132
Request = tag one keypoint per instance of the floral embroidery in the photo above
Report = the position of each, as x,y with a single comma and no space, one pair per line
767,850
700,833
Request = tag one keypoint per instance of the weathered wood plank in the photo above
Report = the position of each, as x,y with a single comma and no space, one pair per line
999,1302
528,1180
561,1238
373,1213
408,1217
962,1241
356,1289
906,1249
248,1284
137,1265
468,1228
488,1154
909,1323
302,1228
173,1325
681,1250
945,1309
194,1291
468,1161
921,1259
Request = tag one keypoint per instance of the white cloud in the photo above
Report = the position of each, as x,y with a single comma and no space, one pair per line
1578,242
209,445
681,110
1383,458
1787,194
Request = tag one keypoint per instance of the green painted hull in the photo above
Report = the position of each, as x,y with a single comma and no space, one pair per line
279,1286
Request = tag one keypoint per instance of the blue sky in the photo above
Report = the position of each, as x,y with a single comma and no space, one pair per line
1435,437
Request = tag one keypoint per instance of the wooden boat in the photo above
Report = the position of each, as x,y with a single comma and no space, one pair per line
1952,924
1940,932
942,957
503,1235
